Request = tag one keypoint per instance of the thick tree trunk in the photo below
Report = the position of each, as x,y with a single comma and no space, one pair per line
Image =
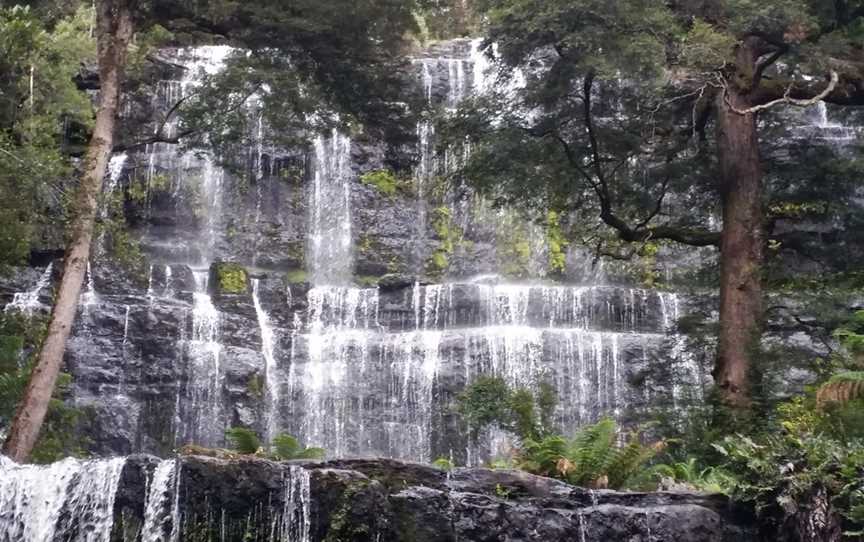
114,31
742,249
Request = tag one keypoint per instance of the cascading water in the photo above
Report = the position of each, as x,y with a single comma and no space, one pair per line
71,500
339,327
271,374
687,376
158,510
202,421
28,303
296,521
329,250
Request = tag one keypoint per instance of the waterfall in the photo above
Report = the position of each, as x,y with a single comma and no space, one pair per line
368,372
338,332
28,303
89,298
329,250
159,507
169,283
115,169
687,375
203,422
271,376
296,520
71,500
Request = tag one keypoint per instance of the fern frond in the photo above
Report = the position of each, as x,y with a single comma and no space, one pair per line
243,441
285,447
841,388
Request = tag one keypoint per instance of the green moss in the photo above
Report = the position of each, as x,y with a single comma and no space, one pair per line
296,276
231,278
448,234
366,244
383,180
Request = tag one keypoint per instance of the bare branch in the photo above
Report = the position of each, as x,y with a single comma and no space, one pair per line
787,99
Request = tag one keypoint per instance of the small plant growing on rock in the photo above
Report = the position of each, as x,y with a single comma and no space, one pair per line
243,441
286,447
231,278
443,463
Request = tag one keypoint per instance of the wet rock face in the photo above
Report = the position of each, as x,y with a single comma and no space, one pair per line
238,500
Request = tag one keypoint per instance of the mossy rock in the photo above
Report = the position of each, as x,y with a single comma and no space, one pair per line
229,278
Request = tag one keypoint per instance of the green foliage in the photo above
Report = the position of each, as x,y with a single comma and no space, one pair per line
592,458
781,473
851,335
284,447
513,249
33,124
691,475
126,250
243,441
309,59
707,48
447,19
490,401
556,243
385,182
59,436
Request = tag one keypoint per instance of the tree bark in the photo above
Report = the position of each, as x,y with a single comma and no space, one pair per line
114,29
742,241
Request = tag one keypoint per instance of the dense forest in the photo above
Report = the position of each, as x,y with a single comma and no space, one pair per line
372,269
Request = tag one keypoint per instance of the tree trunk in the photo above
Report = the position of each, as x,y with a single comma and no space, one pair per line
742,245
114,31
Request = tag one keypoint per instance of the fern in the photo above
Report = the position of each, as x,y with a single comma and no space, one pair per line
591,458
842,388
243,441
285,447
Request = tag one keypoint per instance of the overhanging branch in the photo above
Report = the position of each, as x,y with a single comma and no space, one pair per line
787,98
